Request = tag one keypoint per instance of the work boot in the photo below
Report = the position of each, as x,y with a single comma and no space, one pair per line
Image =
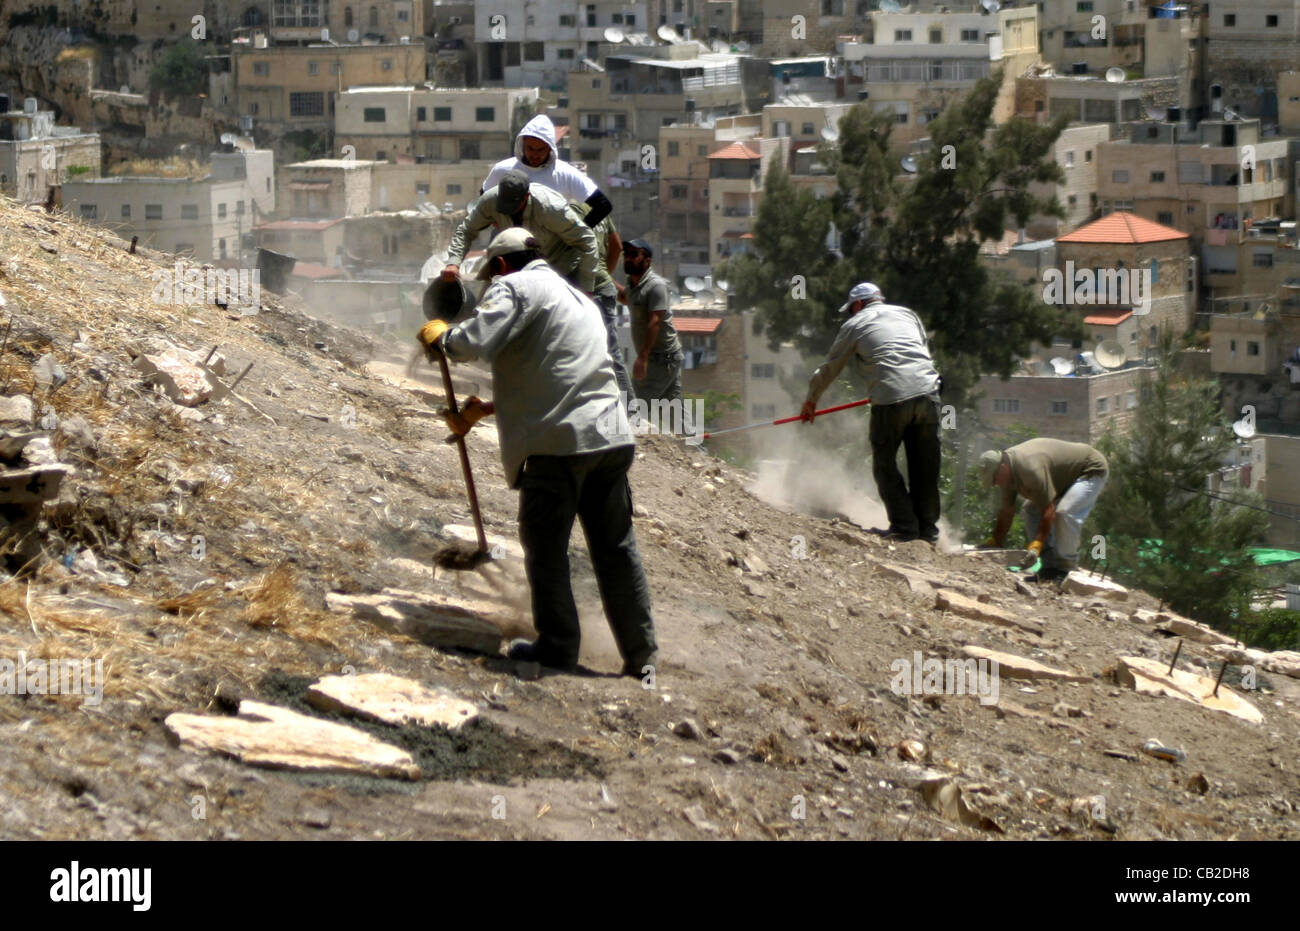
527,651
634,669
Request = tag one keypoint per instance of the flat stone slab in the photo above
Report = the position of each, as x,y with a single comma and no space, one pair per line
1201,633
266,735
1080,582
962,606
378,696
444,621
1282,662
1018,667
498,544
916,580
1152,677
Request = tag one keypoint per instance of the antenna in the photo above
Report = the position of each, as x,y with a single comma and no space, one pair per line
909,164
1110,354
1115,75
615,35
668,34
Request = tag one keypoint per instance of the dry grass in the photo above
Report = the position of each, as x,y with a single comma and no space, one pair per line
161,168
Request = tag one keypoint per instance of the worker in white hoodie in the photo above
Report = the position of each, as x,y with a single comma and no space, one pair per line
537,157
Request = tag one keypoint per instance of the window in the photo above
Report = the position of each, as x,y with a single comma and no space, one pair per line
593,121
1252,348
1262,260
1130,400
1119,176
153,211
385,64
374,16
809,129
1069,159
89,211
261,68
970,35
534,51
1087,155
469,148
1073,200
126,211
221,211
1060,408
762,370
313,67
307,103
373,115
403,15
591,14
253,109
567,19
1103,405
936,36
1006,405
1229,19
1083,6
1165,217
1155,272
564,53
189,211
453,190
347,16
336,67
422,188
677,192
902,35
1157,177
1270,21
221,248
420,114
442,114
381,155
674,149
702,151
620,121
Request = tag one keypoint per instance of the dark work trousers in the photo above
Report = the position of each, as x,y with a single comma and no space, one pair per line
913,508
608,303
594,488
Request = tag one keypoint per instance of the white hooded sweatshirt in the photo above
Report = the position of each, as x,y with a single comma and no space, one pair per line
557,175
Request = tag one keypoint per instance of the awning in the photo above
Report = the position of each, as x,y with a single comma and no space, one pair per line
1108,317
697,324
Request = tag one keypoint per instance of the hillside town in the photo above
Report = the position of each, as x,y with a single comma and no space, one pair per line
446,168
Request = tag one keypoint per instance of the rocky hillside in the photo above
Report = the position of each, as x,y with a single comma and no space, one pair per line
222,554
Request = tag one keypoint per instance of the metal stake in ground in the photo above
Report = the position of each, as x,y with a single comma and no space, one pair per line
1174,662
1222,670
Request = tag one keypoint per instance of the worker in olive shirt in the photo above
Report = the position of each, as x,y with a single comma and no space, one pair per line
554,389
904,386
657,372
1060,483
566,242
609,248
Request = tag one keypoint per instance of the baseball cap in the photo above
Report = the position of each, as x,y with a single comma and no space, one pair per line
511,191
640,244
989,463
506,242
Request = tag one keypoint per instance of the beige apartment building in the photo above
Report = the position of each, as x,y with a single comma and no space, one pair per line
1250,43
442,124
802,122
307,21
1076,41
327,188
405,185
287,87
913,64
36,154
736,176
203,219
1078,408
315,242
1096,100
1075,151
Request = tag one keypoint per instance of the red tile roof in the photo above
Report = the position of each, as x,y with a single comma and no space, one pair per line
737,150
1109,317
312,270
1122,227
697,324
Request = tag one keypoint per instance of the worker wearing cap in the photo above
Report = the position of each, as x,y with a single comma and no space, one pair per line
1060,483
657,372
554,395
904,386
566,242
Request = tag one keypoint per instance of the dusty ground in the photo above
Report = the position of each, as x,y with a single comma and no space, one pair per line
339,480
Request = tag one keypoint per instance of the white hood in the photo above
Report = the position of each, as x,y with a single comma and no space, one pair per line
539,127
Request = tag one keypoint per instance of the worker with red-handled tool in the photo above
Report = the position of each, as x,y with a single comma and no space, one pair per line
1060,483
890,340
554,393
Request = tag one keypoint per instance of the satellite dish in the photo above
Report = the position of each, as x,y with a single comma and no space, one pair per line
227,138
1244,429
990,6
1159,114
614,34
831,134
668,34
890,6
694,284
1110,354
705,296
722,286
1062,366
909,164
353,35
1115,75
742,46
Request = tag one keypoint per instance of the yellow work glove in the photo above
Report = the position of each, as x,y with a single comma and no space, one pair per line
471,412
431,332
1035,549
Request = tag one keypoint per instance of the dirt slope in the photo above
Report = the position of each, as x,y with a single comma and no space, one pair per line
330,475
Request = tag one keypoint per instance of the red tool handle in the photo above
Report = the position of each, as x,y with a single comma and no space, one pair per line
777,423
